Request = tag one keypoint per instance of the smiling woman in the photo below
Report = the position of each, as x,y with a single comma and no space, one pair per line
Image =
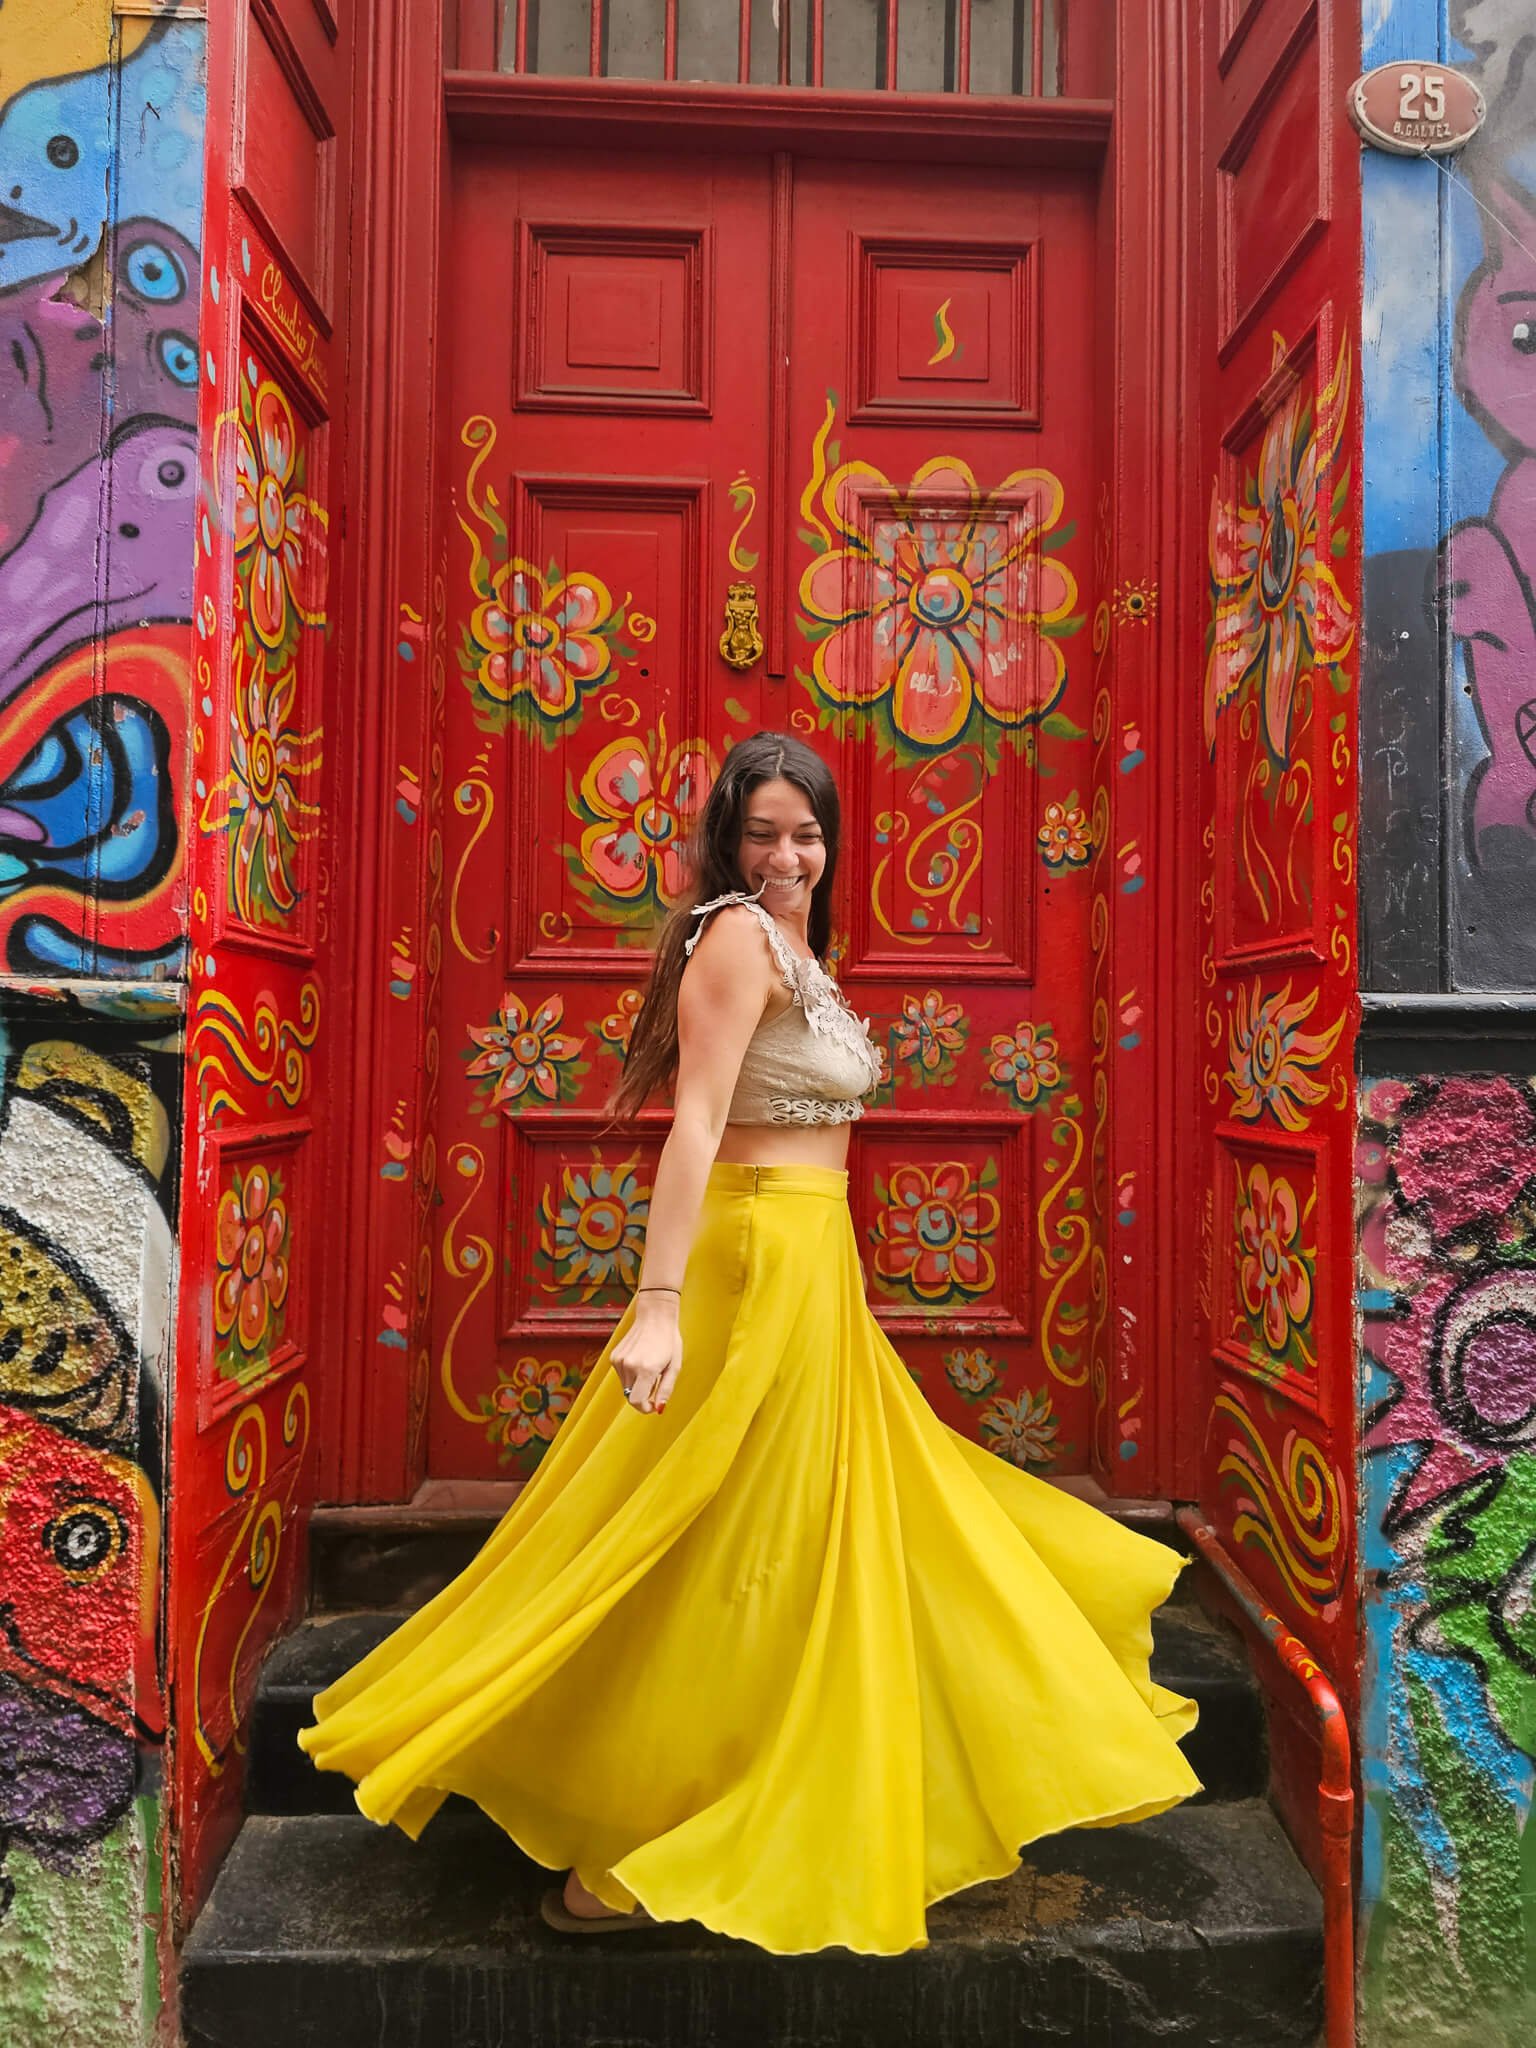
874,1659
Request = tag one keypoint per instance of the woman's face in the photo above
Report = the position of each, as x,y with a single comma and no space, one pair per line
782,850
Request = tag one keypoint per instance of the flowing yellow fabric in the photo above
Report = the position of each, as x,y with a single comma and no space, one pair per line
793,1660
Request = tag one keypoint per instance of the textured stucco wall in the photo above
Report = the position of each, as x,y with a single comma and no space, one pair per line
1447,1183
101,139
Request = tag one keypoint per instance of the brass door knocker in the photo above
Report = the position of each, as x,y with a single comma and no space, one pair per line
741,644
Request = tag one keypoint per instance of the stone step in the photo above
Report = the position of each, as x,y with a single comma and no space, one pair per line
1197,1928
1193,1654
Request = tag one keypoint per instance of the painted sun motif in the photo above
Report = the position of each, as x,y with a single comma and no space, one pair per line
1272,1061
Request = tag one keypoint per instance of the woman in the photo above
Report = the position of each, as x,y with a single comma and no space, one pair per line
763,1644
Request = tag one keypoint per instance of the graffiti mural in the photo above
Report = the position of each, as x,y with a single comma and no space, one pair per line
1447,1276
101,154
88,1161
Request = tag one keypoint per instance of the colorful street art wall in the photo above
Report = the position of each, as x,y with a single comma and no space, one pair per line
101,145
1448,1294
1447,1158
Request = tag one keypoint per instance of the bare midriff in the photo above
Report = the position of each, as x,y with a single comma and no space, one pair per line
785,1145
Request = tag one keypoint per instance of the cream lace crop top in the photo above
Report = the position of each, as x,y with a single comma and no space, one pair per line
812,1063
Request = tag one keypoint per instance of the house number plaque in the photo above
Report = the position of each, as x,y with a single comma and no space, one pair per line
1416,109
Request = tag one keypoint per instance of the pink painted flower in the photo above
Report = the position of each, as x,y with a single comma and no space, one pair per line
1025,1063
929,1032
937,605
1274,1270
970,1372
530,1401
523,1054
542,644
273,517
642,796
932,1233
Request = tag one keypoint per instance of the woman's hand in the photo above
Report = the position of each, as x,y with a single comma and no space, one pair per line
649,1355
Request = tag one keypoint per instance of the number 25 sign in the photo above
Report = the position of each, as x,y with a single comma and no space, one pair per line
1416,109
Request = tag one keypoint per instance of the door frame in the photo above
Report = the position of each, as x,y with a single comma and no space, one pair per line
1145,938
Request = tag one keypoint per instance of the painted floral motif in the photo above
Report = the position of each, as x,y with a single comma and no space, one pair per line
1026,1064
1277,611
926,1037
1064,837
1274,1269
616,1029
524,1057
932,1231
639,798
530,1401
541,642
972,1373
260,801
938,610
276,526
593,1230
250,1248
1271,1061
1023,1431
535,646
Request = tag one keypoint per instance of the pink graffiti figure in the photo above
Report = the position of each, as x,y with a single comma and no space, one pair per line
1490,563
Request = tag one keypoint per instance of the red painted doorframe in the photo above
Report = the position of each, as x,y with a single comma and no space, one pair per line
1142,1312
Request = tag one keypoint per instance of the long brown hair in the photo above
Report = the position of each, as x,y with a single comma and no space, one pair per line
651,1061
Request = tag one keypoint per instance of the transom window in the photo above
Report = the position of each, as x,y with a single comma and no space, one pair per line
1004,47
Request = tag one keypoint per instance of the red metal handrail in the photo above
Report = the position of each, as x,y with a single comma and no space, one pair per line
1336,1782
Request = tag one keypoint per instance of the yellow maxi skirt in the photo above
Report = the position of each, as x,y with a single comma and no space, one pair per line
793,1660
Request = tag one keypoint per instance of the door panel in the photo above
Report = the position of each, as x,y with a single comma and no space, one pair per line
900,493
256,1220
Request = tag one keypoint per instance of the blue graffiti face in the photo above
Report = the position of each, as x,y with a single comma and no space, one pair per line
56,157
53,176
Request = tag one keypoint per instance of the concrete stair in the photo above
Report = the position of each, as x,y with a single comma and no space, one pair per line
1199,1927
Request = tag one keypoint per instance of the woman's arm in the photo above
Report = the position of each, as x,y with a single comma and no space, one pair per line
720,1002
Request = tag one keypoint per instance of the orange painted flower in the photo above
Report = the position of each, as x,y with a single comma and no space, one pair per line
277,529
641,797
541,644
1274,1270
932,1232
1025,1063
928,1033
259,801
936,607
1064,840
971,1372
618,1027
251,1254
530,1402
1271,1060
1277,609
525,1055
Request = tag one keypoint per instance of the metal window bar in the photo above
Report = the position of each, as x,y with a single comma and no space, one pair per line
1026,79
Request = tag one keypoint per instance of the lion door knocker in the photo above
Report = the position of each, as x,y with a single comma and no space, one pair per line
741,643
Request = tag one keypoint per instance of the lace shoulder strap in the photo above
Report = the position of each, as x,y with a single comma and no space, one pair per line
784,958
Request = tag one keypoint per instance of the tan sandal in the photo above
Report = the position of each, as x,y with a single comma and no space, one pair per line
554,1912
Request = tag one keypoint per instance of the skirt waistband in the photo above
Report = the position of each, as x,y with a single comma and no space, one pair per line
732,1177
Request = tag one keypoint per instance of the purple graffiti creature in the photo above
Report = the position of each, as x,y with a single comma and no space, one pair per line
62,586
57,369
1490,564
66,1778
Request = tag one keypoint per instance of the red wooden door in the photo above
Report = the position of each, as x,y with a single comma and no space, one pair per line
862,391
1276,364
255,1214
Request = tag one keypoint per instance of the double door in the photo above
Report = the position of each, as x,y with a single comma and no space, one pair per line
733,442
